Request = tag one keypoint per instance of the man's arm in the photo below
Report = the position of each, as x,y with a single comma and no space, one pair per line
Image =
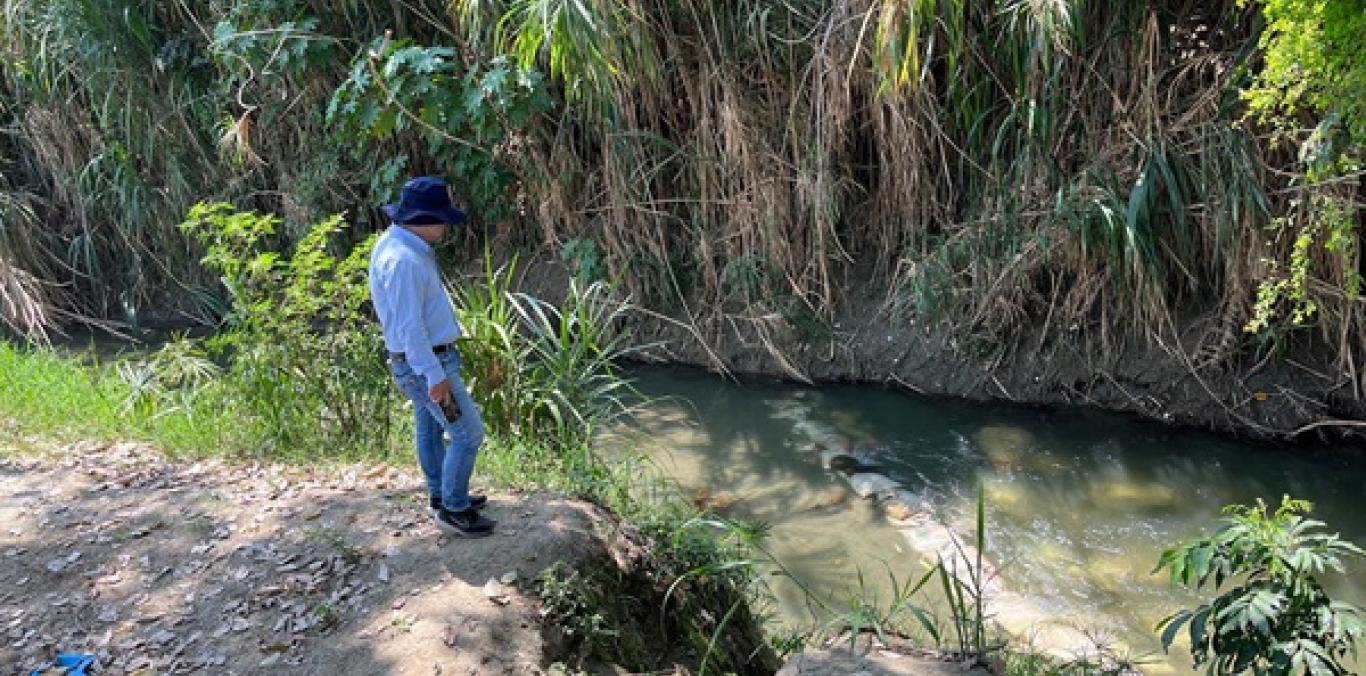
407,288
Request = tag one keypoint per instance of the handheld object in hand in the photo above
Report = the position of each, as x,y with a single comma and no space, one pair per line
451,409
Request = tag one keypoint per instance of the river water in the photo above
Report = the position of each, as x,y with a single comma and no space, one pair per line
1079,505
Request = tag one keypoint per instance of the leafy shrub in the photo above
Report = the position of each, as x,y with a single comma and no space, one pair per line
462,112
167,380
568,600
1312,60
1276,618
305,358
268,40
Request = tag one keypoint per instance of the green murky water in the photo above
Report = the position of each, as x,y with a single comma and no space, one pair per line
1079,505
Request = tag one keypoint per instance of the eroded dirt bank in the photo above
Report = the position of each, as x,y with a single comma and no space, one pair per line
1180,378
1199,370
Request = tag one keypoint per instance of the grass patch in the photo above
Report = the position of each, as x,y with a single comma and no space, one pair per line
68,398
44,392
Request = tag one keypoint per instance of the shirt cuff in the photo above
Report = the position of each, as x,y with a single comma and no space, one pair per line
434,375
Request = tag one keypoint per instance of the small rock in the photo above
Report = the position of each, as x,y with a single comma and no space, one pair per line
59,565
898,511
210,659
494,591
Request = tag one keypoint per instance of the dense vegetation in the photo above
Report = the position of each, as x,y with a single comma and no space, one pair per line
1083,171
1092,171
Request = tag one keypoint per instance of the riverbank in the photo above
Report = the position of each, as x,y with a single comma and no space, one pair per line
1191,374
1198,371
172,566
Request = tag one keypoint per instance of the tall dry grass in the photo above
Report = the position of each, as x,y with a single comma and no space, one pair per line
1009,168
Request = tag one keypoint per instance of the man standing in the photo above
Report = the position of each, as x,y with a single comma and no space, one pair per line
420,330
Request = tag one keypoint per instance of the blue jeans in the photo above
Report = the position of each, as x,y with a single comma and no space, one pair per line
446,466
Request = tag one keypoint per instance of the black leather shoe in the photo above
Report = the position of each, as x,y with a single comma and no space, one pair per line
466,524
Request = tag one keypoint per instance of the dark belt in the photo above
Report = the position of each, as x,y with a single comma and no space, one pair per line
436,349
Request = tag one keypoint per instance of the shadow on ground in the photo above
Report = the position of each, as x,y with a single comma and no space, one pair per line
162,567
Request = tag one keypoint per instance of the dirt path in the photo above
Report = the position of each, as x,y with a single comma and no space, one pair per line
162,567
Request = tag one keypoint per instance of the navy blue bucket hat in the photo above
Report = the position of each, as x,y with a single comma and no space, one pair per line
425,199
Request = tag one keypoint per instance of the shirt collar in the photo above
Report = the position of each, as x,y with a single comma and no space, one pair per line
410,238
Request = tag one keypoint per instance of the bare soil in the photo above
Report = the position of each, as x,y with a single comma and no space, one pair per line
164,567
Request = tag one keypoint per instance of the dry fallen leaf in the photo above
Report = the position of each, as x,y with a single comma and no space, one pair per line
276,647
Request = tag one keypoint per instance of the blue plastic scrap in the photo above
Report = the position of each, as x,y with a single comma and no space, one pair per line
70,664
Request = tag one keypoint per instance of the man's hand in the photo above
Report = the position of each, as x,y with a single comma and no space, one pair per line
441,392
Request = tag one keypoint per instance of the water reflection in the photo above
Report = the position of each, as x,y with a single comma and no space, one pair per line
1079,505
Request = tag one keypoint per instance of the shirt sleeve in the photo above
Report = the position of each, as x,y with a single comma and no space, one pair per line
406,290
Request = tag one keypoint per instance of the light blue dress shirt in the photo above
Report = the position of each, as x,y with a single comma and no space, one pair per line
411,301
